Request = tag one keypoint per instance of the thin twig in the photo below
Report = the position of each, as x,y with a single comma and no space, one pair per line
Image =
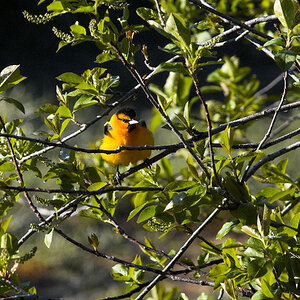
290,206
83,192
53,216
237,28
283,96
269,53
127,295
284,125
32,206
15,287
269,86
162,21
230,19
179,253
271,157
164,147
209,128
264,146
106,256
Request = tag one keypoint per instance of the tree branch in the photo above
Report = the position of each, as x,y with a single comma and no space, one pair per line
179,253
229,19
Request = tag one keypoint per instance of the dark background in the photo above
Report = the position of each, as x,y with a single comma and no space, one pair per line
34,48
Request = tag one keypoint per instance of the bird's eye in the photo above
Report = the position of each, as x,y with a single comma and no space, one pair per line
124,120
107,128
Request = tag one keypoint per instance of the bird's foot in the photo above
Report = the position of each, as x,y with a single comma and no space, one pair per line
118,178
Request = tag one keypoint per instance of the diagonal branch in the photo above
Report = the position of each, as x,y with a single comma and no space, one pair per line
150,97
180,252
283,96
32,206
271,157
229,19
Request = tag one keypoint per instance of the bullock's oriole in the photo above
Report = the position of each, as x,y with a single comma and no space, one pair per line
124,129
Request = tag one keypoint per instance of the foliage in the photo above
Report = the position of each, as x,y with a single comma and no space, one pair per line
210,171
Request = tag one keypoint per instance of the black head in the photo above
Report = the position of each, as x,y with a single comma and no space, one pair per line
127,111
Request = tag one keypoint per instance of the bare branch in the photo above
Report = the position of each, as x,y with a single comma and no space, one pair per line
162,21
179,253
209,128
271,157
32,206
283,96
83,192
229,19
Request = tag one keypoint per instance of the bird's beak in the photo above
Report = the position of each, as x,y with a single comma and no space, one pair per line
133,122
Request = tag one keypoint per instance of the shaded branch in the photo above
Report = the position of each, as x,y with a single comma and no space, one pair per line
271,157
283,96
20,176
229,19
179,253
82,192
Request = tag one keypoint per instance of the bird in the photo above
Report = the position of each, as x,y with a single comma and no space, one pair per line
124,129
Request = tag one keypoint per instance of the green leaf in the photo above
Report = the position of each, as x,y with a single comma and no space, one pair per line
9,77
251,232
78,30
136,211
171,67
55,6
4,224
285,59
7,166
278,41
93,240
14,102
47,109
183,296
48,238
175,26
230,288
84,101
64,112
104,57
246,213
147,13
147,213
258,267
97,186
95,214
120,272
227,140
258,296
226,228
280,195
64,126
266,289
286,10
295,222
70,77
9,242
177,200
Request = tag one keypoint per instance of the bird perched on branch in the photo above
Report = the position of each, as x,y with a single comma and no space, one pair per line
124,129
